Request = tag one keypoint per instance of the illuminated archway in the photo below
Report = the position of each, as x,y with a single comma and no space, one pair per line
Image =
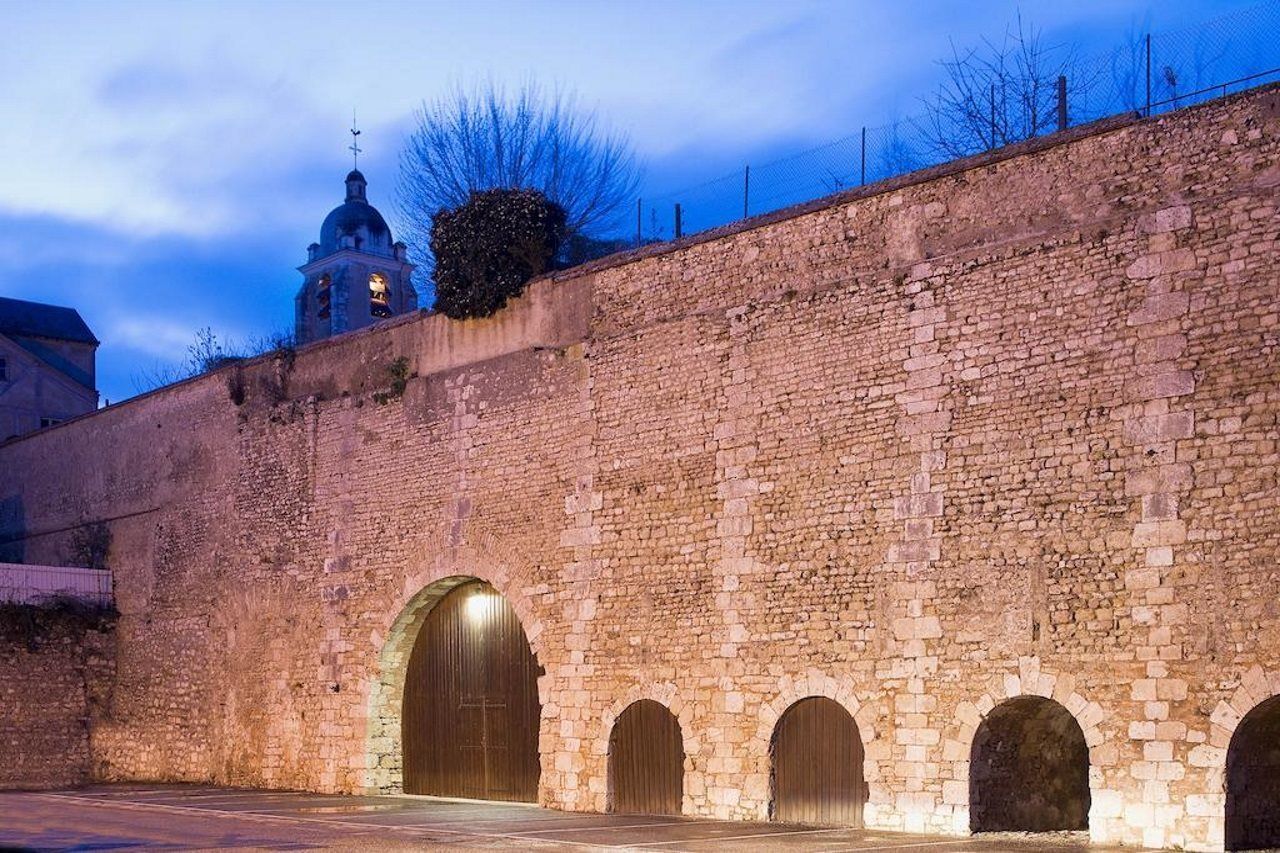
449,609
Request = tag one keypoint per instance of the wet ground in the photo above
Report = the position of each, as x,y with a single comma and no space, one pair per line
188,817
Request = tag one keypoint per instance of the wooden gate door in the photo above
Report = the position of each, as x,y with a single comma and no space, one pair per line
817,765
646,760
470,714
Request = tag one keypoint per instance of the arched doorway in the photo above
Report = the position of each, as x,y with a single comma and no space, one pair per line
1253,780
646,760
817,765
1029,769
471,710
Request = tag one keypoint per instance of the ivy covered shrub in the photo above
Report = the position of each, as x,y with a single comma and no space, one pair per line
487,249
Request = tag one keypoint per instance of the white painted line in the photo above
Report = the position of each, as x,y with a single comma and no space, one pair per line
270,818
605,828
434,798
793,833
942,842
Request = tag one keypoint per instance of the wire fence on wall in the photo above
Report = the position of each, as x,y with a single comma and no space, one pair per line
1146,74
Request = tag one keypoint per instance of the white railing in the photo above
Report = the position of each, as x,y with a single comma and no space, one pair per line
23,584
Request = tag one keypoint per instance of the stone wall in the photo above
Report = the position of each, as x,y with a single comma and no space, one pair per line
1011,430
55,679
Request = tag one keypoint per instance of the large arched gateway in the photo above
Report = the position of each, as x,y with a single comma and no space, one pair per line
470,713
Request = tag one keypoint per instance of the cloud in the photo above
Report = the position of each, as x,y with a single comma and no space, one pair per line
153,335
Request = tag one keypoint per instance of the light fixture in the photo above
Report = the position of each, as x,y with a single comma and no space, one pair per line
478,604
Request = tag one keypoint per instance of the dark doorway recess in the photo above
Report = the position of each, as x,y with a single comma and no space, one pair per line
1253,780
817,765
646,760
1029,769
470,717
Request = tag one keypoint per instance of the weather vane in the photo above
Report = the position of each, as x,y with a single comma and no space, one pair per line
354,148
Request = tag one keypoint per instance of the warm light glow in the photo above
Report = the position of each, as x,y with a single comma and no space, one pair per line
478,604
379,296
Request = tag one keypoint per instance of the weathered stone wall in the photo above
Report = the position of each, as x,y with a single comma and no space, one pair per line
55,679
1008,431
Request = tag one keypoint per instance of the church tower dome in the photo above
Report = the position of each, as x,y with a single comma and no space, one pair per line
356,274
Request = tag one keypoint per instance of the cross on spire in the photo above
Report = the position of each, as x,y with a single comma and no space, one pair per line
354,147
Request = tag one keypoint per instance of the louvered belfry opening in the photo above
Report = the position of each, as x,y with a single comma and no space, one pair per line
1253,780
471,710
1029,769
646,760
817,765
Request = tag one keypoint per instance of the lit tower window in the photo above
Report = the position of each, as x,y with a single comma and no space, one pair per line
379,296
323,295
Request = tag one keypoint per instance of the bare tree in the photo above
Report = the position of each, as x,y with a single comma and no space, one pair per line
207,353
1002,92
482,138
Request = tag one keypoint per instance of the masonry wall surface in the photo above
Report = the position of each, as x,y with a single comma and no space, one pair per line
54,682
1008,431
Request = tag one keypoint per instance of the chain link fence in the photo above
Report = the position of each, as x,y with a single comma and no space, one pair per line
1002,94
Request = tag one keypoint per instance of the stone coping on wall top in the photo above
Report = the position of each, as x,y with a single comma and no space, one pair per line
920,176
619,259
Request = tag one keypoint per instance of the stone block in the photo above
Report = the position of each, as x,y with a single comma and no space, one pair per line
1170,479
1150,534
1160,307
1169,219
1152,429
1172,383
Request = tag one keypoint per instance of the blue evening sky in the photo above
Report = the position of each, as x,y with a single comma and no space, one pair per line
167,163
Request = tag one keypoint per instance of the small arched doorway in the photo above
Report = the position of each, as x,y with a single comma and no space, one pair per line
646,761
1029,769
471,710
817,765
1253,780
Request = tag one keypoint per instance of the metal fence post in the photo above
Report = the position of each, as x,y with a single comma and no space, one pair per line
862,181
746,189
679,223
1148,74
1062,102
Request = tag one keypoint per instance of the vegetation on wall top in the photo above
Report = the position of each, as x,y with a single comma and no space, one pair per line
487,249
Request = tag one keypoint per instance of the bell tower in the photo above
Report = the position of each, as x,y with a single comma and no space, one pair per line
356,275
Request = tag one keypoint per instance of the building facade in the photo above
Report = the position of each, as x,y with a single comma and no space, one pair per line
47,366
959,489
356,275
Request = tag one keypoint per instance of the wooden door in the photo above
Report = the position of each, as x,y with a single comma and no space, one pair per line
470,715
817,765
646,760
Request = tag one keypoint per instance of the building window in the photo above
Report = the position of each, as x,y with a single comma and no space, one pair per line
379,296
48,422
322,295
